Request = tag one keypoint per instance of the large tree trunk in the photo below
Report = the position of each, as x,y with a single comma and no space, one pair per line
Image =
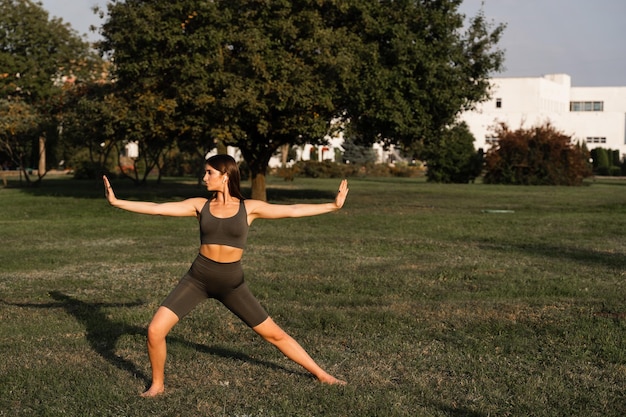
41,169
258,160
284,150
258,187
258,170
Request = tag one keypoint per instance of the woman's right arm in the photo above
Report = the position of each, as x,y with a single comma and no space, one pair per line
189,207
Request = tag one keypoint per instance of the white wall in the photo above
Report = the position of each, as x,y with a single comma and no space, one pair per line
527,102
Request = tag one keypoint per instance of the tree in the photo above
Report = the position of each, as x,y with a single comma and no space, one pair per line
455,160
354,153
243,73
37,56
538,155
258,74
18,121
419,69
161,70
91,120
276,89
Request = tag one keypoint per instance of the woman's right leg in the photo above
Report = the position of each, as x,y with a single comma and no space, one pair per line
183,298
162,322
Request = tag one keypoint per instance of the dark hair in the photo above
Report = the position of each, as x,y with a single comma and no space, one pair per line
226,165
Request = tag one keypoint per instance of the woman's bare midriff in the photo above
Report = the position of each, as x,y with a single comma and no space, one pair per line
221,253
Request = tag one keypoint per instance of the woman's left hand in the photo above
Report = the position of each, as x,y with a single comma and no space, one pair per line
108,190
342,194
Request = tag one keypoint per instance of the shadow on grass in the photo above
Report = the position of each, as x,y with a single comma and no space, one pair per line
102,333
169,189
578,255
458,412
94,189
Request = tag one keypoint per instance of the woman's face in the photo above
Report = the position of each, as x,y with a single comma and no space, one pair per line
213,179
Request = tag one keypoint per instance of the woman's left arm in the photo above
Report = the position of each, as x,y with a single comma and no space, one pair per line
261,210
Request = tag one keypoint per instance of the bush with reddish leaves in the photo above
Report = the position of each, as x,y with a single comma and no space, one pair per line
539,155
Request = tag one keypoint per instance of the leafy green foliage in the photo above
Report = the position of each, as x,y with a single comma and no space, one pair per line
328,169
259,75
241,73
38,56
607,162
353,153
600,157
36,52
19,123
453,158
91,120
418,69
160,75
536,156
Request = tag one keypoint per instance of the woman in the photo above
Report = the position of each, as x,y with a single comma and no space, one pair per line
216,272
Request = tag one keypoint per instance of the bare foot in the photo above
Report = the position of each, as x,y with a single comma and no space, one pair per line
331,380
153,391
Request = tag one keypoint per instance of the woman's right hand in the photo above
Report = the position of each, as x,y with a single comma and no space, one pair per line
189,207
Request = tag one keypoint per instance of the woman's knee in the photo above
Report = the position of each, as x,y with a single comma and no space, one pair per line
161,324
156,331
270,331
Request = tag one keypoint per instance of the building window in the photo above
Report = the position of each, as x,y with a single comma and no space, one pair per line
490,139
498,103
595,139
586,106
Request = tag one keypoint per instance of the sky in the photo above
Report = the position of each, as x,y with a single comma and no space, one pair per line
582,38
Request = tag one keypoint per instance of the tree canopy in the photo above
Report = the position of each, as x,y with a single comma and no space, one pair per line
36,51
259,74
38,55
418,69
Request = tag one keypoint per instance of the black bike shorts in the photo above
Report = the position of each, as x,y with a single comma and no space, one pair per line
224,282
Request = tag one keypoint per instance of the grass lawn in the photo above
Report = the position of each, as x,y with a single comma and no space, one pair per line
429,299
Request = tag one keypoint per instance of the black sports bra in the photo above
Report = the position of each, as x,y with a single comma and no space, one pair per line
230,231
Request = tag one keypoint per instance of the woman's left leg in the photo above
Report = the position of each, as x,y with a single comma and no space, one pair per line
271,332
240,301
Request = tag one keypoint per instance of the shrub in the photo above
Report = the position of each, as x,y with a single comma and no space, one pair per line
328,169
355,153
452,158
606,162
86,170
600,161
316,169
536,156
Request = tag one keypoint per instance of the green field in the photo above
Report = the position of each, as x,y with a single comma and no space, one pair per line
430,300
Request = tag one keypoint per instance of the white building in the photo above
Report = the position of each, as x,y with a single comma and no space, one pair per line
593,115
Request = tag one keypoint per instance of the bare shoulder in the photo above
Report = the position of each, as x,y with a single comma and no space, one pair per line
253,206
197,202
257,209
190,206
